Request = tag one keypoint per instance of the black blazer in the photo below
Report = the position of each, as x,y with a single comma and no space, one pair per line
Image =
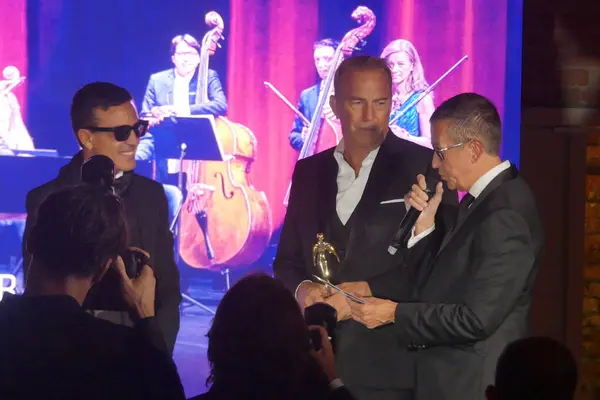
52,349
365,358
147,216
475,291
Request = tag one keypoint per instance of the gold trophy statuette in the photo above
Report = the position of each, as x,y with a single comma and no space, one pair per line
321,250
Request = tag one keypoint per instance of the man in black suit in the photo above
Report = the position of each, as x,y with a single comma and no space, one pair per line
51,347
105,121
477,266
353,194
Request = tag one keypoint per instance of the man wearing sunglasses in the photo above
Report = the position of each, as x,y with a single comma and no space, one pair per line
105,121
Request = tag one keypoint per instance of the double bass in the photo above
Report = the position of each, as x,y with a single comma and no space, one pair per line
322,136
225,222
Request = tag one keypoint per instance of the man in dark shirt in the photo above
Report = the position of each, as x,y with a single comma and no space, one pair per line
50,346
105,121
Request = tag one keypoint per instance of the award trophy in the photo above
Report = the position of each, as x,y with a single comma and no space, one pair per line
321,250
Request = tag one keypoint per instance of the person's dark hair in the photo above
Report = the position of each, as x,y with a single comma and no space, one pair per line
472,116
77,230
326,43
359,64
258,345
536,368
96,95
189,39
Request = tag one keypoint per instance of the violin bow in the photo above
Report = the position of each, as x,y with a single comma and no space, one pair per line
408,106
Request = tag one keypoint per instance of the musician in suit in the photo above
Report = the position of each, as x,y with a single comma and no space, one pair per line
173,92
477,266
323,54
105,121
353,193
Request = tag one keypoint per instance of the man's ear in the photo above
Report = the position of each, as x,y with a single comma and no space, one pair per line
333,104
85,138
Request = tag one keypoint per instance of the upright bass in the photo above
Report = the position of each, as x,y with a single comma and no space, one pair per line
225,221
322,136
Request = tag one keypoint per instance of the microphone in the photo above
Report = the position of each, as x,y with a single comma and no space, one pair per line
404,231
99,170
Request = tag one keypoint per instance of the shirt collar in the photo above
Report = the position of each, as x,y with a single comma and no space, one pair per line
339,151
481,183
182,78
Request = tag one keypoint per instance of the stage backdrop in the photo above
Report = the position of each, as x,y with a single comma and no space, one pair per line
60,45
68,43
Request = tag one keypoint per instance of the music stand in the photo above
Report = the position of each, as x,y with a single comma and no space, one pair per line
190,138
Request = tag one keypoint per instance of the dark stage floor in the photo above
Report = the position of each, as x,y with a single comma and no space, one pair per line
190,350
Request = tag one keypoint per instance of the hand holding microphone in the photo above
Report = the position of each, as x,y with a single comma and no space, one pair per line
419,199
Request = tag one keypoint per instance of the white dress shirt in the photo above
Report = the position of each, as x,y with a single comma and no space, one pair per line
476,190
181,95
350,186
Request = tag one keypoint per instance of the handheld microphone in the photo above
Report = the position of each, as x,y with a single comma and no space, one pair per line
99,170
402,235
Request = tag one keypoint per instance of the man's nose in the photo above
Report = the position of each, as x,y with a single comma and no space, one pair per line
368,113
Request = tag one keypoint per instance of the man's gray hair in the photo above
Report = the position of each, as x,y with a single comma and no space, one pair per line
471,116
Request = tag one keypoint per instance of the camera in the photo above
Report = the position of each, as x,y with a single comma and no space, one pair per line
100,171
321,314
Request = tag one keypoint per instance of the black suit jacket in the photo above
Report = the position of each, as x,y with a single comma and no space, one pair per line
365,358
52,349
147,217
475,291
159,92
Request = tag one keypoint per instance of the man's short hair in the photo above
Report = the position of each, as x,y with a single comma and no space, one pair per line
472,116
186,38
326,43
77,230
96,95
359,64
536,368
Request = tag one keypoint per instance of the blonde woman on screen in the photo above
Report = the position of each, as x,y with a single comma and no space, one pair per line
408,80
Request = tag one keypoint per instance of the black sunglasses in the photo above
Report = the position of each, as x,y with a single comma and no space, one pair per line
122,132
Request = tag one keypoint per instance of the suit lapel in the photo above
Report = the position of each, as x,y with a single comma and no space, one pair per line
504,176
326,193
377,186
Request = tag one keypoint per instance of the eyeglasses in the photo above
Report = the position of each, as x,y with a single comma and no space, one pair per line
441,152
122,132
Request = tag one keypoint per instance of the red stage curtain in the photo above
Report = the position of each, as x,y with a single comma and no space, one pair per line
445,30
270,41
13,41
